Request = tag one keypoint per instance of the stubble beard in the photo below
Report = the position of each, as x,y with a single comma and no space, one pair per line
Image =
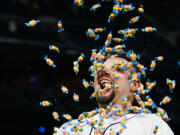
105,100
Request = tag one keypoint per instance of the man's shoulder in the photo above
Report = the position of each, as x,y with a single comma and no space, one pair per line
68,126
150,116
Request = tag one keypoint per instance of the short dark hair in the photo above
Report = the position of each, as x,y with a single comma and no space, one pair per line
124,56
121,55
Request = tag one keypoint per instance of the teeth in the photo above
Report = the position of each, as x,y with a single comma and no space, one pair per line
104,81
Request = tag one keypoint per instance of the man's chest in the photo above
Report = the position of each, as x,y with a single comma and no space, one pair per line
113,127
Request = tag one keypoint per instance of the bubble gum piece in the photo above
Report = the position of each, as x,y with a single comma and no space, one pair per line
93,95
112,132
106,85
82,116
159,58
134,20
56,129
65,132
76,69
75,63
141,89
85,83
149,29
81,57
155,129
115,86
116,76
79,3
100,29
118,40
165,117
92,122
91,83
93,54
121,32
117,8
150,85
56,116
160,110
147,104
95,7
119,1
100,121
150,101
101,93
54,48
165,100
100,57
171,84
108,49
45,103
141,10
109,39
49,61
131,31
67,117
60,27
32,23
124,102
121,130
91,34
76,97
111,17
132,55
91,113
109,106
64,89
153,65
119,48
128,8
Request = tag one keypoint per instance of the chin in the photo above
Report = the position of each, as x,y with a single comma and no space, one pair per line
108,97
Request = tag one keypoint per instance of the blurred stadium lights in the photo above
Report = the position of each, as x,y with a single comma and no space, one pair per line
169,36
74,10
21,41
24,2
32,79
12,26
71,52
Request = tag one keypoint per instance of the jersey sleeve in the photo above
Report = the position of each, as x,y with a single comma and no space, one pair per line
63,130
163,127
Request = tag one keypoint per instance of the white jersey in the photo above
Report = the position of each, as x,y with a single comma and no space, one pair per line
136,124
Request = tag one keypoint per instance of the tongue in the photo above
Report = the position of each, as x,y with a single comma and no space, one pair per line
106,90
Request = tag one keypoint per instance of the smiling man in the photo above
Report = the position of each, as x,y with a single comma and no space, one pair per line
107,76
115,85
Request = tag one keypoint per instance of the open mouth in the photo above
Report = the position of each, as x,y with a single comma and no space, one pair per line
105,84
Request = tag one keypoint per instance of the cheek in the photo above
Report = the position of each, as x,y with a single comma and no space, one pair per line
122,81
95,82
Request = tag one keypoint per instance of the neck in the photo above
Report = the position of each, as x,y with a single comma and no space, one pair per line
120,106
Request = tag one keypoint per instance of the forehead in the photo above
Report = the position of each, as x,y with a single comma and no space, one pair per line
112,60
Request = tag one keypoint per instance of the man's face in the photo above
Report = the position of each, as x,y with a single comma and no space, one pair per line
106,75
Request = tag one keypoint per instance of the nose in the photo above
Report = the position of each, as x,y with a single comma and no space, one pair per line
104,72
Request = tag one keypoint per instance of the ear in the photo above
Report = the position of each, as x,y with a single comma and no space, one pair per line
134,86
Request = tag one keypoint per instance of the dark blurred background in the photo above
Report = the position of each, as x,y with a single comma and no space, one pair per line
26,79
